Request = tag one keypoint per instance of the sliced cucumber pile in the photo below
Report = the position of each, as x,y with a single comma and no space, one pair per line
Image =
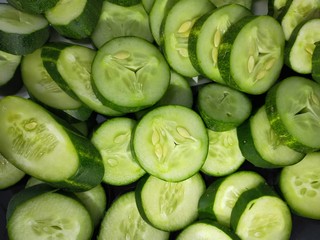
159,119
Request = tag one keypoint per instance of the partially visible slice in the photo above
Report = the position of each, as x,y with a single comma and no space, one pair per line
316,63
33,6
9,174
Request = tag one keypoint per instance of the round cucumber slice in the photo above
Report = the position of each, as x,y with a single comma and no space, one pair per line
250,57
123,221
300,186
171,142
293,109
129,74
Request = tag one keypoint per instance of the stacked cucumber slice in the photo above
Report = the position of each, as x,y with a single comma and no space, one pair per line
159,119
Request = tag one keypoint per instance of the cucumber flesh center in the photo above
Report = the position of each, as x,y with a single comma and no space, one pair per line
181,36
307,184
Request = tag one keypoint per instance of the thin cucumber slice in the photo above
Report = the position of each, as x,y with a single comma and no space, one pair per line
41,86
259,40
175,31
157,13
293,110
169,206
171,142
129,74
21,33
42,147
220,197
301,44
297,11
118,21
221,107
224,155
112,138
206,35
261,146
260,214
74,19
206,229
33,6
315,72
122,220
9,174
245,3
40,212
299,185
74,65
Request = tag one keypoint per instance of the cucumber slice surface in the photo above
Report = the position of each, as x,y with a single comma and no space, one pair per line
175,31
9,174
260,41
293,110
129,74
169,206
122,220
299,185
171,142
9,63
245,3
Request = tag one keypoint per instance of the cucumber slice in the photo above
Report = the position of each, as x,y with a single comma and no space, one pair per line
315,72
299,185
157,13
41,86
221,107
21,33
122,220
42,147
33,6
221,196
74,19
245,3
260,214
112,139
40,212
169,206
175,31
9,174
300,46
10,78
224,155
147,4
125,3
119,21
297,11
171,142
261,146
207,230
275,7
129,74
208,31
293,110
259,40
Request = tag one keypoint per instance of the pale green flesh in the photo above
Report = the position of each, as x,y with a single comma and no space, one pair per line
177,26
224,155
50,216
297,12
268,144
229,192
172,206
34,141
116,21
8,66
220,3
267,218
298,104
123,221
130,73
201,231
65,11
171,142
304,45
41,86
9,174
15,21
260,44
112,139
300,186
74,65
211,34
